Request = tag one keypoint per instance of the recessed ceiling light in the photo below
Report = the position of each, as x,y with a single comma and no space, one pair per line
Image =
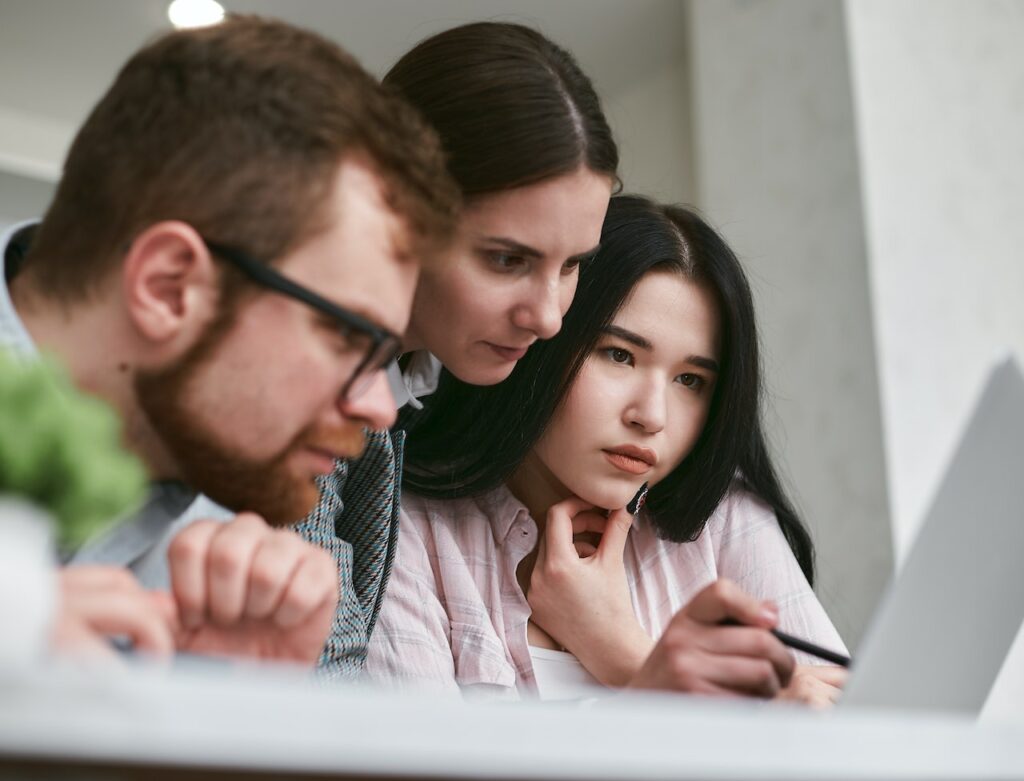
195,13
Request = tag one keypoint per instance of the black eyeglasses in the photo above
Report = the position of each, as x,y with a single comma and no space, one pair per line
377,346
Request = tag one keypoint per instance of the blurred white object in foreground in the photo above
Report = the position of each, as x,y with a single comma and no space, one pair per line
28,582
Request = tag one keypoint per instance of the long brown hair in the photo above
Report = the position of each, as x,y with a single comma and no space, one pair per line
511,107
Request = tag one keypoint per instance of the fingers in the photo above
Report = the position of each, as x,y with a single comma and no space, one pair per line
99,603
697,653
313,586
228,566
210,563
78,580
751,677
724,600
558,531
616,532
827,673
587,522
226,573
573,517
754,644
816,686
186,559
74,639
584,548
131,615
273,567
165,606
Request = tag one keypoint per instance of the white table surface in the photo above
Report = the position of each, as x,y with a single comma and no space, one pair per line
274,720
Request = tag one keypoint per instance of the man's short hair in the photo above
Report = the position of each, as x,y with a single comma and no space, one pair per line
238,130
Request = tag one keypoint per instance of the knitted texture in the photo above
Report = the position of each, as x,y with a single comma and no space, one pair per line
356,520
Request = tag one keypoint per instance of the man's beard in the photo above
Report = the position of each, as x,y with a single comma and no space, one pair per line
270,486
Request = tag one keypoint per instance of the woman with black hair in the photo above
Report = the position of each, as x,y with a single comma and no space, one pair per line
532,154
509,556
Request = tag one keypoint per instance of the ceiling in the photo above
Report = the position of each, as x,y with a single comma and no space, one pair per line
57,56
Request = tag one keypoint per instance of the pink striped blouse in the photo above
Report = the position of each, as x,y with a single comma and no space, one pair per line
455,617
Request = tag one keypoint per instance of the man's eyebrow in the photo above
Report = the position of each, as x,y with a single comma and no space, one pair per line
634,338
516,246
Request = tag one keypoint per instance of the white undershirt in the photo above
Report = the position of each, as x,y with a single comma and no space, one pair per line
560,676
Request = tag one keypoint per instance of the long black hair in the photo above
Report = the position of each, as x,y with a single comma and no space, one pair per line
510,106
470,439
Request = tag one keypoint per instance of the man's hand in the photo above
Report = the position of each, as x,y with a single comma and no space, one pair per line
244,589
98,603
697,654
818,686
579,593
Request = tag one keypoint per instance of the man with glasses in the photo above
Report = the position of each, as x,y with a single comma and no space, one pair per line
229,261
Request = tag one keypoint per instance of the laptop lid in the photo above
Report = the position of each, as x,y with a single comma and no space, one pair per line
948,620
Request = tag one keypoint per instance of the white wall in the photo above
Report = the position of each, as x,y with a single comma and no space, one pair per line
939,91
22,197
776,165
651,122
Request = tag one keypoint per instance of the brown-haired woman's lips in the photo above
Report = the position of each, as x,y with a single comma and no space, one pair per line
508,353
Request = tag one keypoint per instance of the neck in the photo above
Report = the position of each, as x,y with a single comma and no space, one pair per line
411,340
535,486
92,341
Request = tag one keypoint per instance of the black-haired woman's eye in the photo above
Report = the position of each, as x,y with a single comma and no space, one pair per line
617,355
692,381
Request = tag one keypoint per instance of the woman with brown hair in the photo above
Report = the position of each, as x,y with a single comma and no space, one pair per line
533,155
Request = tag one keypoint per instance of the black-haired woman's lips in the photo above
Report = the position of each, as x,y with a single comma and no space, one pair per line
631,458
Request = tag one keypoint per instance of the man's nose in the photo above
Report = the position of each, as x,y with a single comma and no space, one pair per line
375,406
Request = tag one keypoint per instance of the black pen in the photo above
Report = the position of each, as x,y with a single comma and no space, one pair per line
799,644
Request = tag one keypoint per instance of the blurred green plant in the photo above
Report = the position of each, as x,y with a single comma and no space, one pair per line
61,450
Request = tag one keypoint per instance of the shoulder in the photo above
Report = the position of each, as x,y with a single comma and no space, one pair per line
740,513
467,524
424,511
750,546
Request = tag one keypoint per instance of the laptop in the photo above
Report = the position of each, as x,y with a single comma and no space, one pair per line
946,623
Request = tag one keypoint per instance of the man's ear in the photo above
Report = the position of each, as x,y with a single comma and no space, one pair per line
170,283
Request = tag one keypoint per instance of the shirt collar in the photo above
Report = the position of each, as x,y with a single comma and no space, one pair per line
504,510
128,540
13,333
420,378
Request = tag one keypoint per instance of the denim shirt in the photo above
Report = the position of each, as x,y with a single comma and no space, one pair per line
360,533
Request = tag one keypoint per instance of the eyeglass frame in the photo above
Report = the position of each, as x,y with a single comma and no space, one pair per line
386,345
